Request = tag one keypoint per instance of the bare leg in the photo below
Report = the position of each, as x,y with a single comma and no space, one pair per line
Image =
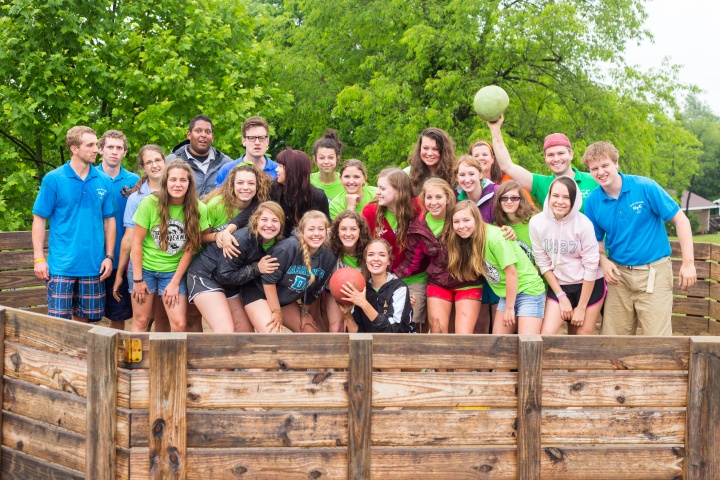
336,323
466,315
259,314
552,321
177,315
296,322
214,307
160,318
194,319
142,313
438,313
241,322
588,326
529,325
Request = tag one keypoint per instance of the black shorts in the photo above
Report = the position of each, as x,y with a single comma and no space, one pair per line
197,284
114,310
252,292
573,293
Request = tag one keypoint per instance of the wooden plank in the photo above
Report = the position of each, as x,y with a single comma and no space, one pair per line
60,409
605,426
702,269
49,334
703,409
102,371
714,309
714,272
126,378
19,279
702,251
529,406
614,352
168,399
614,389
20,466
27,297
626,463
212,464
444,463
444,428
57,372
2,372
17,260
267,351
714,327
439,351
427,390
700,289
687,325
54,445
123,419
691,306
359,406
714,291
17,240
132,464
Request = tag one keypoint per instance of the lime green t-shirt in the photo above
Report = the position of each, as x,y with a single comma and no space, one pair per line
266,246
339,204
522,232
436,226
148,217
499,253
332,190
349,261
541,185
217,216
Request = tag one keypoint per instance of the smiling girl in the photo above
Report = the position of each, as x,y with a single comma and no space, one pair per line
326,153
167,232
384,305
568,256
357,194
432,156
214,281
305,263
515,210
476,248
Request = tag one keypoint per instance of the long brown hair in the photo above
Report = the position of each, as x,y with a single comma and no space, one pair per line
151,147
466,256
496,173
307,258
364,236
297,190
404,208
385,244
449,193
419,172
272,207
227,188
190,208
525,210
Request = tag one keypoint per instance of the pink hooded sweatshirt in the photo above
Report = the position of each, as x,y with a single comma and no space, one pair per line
567,247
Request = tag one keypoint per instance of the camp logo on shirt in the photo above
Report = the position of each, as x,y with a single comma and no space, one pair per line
176,236
528,250
101,192
638,206
492,274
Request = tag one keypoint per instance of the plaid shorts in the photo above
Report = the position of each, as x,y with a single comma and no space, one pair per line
83,297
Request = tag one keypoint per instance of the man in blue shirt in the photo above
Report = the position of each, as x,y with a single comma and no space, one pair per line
628,213
113,147
256,140
78,201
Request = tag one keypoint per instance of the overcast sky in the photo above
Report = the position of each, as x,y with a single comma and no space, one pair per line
687,32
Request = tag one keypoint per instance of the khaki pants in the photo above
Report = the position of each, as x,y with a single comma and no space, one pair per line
419,291
629,301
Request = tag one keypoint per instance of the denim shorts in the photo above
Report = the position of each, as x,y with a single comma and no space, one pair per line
526,305
156,282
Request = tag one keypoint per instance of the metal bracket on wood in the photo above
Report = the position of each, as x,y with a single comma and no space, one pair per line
133,350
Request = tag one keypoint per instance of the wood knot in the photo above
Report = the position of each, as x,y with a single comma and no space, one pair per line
485,468
320,377
620,399
239,470
158,428
314,474
174,459
16,360
555,454
576,387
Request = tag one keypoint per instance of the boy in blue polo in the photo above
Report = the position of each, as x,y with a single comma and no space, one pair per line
78,201
628,213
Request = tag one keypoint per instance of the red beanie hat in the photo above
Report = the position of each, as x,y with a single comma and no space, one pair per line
556,140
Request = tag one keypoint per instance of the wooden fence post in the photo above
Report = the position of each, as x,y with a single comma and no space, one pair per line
102,380
530,351
2,372
359,406
168,406
702,456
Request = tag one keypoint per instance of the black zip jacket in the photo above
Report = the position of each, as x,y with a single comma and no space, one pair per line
392,302
320,202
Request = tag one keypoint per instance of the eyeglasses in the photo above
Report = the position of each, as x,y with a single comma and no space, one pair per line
157,162
505,199
256,139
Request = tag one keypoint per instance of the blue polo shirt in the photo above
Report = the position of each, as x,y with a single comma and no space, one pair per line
76,209
270,169
633,224
132,204
123,180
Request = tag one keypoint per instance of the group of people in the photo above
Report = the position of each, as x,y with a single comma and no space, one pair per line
447,245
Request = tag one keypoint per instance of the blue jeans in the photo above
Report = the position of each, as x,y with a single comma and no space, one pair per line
156,282
526,305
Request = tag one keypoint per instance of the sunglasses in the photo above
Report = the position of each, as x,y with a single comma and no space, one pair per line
506,199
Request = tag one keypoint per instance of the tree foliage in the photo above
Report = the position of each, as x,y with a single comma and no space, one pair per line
144,67
699,119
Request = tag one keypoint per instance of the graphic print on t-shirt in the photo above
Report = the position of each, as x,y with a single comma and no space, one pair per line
493,274
527,249
176,236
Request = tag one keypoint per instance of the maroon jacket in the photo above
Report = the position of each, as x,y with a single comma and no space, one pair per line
425,253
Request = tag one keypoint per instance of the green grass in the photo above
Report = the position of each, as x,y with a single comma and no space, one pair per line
708,238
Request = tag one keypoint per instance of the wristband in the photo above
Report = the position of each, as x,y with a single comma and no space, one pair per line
138,281
39,260
111,257
560,295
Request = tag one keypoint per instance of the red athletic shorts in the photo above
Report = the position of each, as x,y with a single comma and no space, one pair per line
453,295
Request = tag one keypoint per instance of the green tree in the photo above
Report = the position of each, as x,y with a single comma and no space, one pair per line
699,119
144,67
382,71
